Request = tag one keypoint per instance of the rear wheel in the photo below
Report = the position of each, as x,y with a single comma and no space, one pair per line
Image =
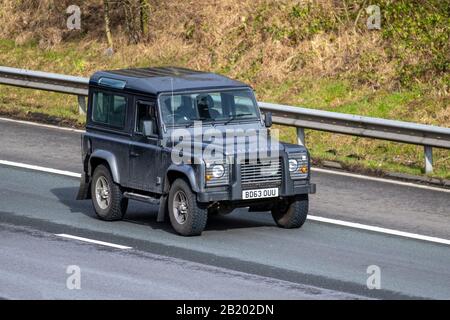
107,198
187,216
291,214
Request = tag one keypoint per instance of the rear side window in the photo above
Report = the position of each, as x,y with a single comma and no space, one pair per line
109,109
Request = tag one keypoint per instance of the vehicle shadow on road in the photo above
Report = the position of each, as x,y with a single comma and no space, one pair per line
145,214
67,196
137,213
239,220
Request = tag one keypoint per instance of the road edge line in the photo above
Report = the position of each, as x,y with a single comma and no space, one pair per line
359,176
382,230
42,125
317,169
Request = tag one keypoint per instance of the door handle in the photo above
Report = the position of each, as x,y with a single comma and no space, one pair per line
134,154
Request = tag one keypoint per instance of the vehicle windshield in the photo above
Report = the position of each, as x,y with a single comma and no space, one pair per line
218,106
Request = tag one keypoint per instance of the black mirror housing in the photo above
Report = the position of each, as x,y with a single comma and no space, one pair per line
268,119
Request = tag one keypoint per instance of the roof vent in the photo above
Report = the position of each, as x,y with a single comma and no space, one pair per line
112,83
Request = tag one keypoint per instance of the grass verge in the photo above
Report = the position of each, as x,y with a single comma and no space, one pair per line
414,104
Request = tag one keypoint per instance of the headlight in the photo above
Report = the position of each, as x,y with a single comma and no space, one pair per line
216,174
293,165
217,171
298,165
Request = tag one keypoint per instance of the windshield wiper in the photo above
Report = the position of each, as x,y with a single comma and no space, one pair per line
191,123
236,117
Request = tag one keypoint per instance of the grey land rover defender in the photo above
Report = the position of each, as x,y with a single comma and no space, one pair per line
148,138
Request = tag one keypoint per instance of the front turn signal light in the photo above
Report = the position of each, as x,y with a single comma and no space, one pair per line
303,169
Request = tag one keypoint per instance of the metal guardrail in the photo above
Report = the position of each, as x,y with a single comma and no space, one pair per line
301,118
44,81
47,81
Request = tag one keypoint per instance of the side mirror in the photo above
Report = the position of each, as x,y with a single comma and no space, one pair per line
148,127
268,119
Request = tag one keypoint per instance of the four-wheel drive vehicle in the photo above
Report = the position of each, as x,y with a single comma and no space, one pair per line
130,147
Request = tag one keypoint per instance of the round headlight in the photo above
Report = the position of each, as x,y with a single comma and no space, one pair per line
293,165
217,171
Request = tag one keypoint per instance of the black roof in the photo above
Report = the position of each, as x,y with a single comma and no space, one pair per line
163,79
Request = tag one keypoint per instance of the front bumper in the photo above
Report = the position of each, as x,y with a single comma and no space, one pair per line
234,193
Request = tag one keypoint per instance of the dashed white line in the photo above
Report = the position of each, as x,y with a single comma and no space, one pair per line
103,243
310,217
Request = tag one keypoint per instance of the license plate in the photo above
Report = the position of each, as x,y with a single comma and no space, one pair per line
260,193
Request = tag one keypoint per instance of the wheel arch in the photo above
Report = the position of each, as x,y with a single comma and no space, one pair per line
104,157
175,172
185,172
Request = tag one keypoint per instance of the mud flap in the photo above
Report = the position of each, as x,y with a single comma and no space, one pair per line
162,208
83,191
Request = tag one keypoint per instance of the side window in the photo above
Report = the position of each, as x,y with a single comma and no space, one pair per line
145,111
109,109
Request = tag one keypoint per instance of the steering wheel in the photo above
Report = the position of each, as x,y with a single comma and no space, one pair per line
178,116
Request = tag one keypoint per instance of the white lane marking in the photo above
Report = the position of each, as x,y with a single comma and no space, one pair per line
41,125
380,230
38,168
108,244
340,173
359,176
310,217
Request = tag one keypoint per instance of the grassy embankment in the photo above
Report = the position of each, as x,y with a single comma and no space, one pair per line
316,55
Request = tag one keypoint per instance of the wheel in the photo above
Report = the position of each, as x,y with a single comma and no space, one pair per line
291,214
107,198
187,217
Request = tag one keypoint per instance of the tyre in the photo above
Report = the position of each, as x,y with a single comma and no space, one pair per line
291,214
187,217
107,198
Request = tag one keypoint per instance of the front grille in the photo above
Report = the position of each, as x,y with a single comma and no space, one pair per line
261,173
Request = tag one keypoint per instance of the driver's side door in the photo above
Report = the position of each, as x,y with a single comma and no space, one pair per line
145,151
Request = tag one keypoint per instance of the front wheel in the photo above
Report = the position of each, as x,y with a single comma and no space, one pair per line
187,216
291,214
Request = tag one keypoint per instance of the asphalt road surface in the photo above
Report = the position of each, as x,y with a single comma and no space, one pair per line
242,255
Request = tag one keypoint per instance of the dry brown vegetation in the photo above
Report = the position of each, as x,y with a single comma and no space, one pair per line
259,39
315,53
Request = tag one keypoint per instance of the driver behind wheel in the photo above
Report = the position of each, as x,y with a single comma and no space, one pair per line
205,106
